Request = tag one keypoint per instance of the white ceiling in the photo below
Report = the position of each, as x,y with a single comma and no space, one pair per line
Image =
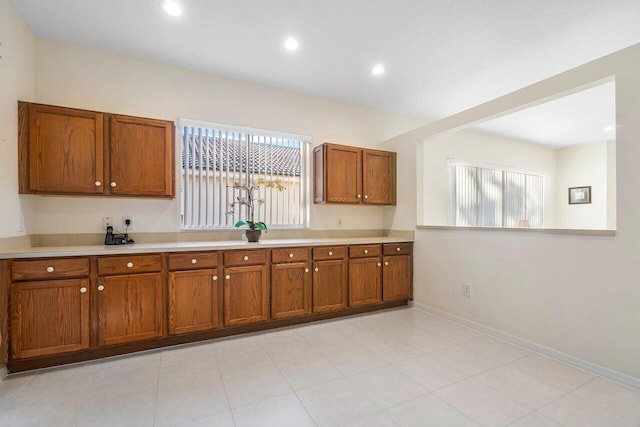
441,56
575,119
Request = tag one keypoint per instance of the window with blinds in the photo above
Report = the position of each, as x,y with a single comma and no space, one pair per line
483,196
217,158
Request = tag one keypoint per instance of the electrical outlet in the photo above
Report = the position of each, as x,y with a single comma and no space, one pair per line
466,290
127,223
107,221
21,224
339,221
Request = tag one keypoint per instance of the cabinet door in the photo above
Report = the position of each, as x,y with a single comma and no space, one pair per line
141,157
379,177
343,174
49,316
396,280
65,150
194,301
329,285
365,281
130,308
246,295
290,290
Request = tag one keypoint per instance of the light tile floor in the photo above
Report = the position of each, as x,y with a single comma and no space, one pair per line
397,368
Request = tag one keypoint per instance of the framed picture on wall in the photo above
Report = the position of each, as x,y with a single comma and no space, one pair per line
579,195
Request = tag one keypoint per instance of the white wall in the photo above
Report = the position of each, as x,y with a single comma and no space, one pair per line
479,147
612,196
85,78
17,81
578,294
580,166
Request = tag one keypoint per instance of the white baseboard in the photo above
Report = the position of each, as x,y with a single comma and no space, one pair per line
594,368
3,372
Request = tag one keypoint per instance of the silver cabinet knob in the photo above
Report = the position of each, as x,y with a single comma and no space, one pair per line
246,258
397,249
366,197
227,277
215,277
101,288
366,251
330,253
113,183
129,264
50,269
315,269
379,265
193,261
306,270
83,290
359,196
98,183
386,263
290,255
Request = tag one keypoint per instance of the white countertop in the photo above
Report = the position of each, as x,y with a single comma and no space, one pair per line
58,251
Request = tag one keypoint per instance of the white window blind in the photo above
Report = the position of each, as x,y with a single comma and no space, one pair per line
215,157
493,197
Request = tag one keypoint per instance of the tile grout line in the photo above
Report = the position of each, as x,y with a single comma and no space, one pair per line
186,358
155,402
24,388
259,400
532,352
547,352
600,406
587,401
529,414
431,393
295,393
226,395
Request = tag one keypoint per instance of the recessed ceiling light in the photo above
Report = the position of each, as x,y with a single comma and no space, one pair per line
172,7
609,129
291,44
377,70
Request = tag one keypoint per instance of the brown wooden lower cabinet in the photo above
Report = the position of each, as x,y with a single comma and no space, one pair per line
396,278
290,290
329,285
49,317
69,309
130,308
194,301
365,281
246,295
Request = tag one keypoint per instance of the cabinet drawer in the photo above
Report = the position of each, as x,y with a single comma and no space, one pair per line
330,252
364,251
49,268
127,264
398,248
233,258
193,260
279,256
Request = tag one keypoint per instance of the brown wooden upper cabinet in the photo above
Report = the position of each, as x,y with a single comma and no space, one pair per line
72,151
344,174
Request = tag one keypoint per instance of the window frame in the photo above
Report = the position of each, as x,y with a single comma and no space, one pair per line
495,168
305,170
